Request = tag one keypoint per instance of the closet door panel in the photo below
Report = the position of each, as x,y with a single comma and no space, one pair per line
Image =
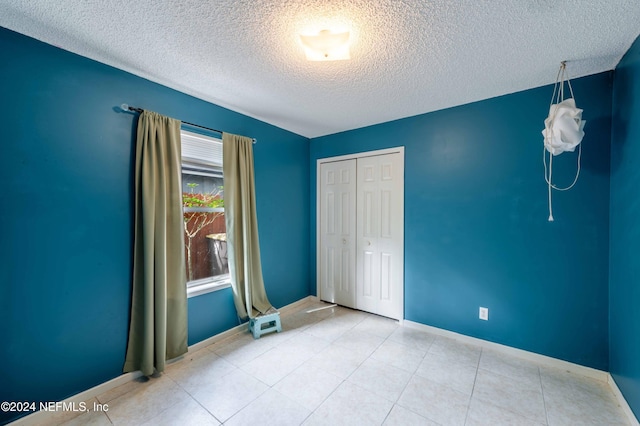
380,236
367,222
337,228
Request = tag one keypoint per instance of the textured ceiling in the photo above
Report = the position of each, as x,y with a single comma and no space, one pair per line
407,57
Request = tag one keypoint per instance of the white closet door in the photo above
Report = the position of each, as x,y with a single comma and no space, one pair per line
380,235
338,227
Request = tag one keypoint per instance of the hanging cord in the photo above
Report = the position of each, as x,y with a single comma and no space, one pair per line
558,96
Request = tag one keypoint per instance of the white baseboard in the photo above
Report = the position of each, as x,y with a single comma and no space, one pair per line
519,353
40,417
622,401
213,339
297,305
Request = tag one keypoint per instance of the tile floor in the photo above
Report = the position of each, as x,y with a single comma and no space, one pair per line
343,367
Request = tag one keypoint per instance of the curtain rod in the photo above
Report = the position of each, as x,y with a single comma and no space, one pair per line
126,107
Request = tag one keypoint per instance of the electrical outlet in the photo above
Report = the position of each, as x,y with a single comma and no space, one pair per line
484,313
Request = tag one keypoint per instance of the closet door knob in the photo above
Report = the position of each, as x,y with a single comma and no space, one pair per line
344,241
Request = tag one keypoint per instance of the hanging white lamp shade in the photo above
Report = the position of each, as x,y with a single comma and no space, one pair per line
563,128
563,131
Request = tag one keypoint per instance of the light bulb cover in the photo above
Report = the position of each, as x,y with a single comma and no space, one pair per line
326,46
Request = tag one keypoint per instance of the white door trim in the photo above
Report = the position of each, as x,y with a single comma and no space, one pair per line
398,149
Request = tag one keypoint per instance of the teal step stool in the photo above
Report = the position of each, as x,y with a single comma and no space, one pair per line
264,324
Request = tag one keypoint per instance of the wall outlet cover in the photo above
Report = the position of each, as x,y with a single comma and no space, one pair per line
484,314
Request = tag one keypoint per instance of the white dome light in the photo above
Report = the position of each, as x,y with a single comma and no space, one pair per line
326,46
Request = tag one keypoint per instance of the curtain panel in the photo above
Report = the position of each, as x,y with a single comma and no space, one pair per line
158,327
243,246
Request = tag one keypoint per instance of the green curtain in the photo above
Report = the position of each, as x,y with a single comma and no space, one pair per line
158,328
243,248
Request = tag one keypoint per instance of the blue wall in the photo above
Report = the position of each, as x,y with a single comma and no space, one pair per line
66,165
476,229
624,268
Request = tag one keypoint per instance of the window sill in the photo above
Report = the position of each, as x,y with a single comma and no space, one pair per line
209,287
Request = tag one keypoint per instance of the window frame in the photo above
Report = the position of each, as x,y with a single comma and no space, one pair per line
217,282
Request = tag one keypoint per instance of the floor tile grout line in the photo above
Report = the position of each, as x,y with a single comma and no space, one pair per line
544,400
473,388
336,388
237,367
413,374
196,400
291,372
408,408
347,377
514,412
327,397
164,374
205,408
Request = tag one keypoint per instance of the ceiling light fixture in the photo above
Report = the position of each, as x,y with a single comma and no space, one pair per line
326,46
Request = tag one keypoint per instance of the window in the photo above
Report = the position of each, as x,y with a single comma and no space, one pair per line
203,209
